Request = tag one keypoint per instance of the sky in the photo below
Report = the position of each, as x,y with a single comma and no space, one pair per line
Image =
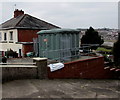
67,14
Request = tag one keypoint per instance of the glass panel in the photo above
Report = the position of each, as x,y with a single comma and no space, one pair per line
11,35
5,36
0,36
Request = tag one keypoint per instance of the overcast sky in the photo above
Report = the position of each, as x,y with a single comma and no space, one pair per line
67,14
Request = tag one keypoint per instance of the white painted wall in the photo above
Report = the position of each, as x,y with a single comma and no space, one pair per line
6,46
15,35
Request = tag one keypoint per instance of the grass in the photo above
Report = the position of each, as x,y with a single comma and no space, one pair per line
103,49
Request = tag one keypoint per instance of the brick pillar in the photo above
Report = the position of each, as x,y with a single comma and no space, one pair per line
41,67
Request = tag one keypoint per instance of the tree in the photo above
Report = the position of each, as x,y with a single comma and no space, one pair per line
92,37
116,51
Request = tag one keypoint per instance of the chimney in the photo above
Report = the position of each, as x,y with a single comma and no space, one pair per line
18,13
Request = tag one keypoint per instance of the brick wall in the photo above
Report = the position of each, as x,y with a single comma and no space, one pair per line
26,35
89,68
27,48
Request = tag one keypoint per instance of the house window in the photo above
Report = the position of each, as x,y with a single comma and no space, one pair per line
5,36
0,36
11,35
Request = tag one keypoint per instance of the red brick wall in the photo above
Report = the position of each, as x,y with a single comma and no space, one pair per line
26,35
89,68
27,48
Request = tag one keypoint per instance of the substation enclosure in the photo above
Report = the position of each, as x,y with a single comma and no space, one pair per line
58,44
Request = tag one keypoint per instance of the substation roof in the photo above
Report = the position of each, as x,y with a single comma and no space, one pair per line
58,31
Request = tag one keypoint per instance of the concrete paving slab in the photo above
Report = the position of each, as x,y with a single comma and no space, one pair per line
18,88
61,88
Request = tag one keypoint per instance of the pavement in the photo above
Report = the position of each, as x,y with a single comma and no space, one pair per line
61,88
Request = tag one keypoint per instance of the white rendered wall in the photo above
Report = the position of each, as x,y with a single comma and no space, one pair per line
10,44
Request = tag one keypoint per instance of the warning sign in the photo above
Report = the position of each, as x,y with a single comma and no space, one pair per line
45,40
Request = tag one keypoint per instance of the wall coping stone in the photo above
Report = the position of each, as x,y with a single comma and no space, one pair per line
39,59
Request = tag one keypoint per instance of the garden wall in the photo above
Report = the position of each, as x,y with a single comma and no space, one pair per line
92,68
14,73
